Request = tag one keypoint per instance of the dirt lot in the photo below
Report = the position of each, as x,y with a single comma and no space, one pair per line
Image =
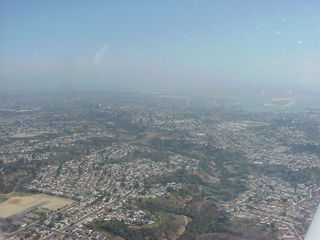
19,204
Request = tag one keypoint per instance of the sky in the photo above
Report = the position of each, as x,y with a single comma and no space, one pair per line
169,44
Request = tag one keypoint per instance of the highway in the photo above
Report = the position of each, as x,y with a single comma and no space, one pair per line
62,230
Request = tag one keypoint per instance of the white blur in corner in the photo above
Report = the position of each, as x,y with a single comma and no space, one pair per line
314,229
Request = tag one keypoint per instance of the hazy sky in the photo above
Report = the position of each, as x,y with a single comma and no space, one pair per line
166,43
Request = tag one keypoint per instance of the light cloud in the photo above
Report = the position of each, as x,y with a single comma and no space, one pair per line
35,54
100,55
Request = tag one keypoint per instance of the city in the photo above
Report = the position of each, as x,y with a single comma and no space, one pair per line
120,166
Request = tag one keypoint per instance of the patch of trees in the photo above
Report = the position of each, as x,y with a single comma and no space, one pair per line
119,228
308,148
174,145
206,218
179,176
306,175
7,225
205,215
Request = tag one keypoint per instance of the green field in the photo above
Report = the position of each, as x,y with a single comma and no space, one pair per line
3,198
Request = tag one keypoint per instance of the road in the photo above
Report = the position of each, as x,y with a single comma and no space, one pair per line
62,230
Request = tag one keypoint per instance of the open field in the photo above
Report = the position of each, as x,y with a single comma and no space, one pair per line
21,204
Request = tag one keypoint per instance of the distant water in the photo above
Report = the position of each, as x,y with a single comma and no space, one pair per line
278,103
